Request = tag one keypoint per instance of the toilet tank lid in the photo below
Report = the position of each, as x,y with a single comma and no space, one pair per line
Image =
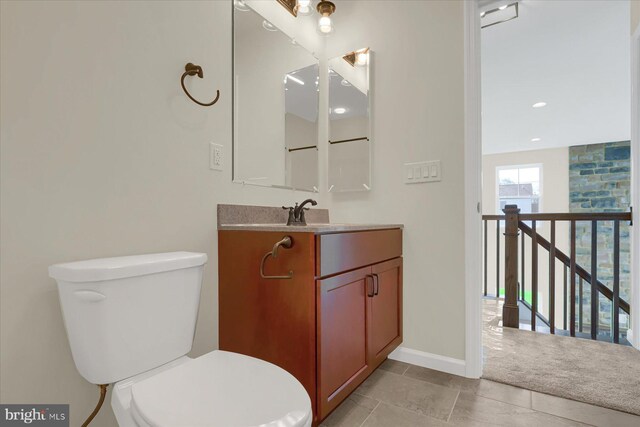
94,270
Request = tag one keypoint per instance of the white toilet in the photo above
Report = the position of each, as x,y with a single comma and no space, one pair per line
131,320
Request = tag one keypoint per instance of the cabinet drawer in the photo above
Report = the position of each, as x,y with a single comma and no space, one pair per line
346,251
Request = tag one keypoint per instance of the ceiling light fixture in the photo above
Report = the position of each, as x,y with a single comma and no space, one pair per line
340,110
326,9
269,26
295,79
539,104
501,14
304,7
362,57
357,57
535,139
240,5
290,5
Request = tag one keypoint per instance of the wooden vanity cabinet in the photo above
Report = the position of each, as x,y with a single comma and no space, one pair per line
359,323
332,324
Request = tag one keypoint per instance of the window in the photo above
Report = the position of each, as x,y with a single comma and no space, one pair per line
520,185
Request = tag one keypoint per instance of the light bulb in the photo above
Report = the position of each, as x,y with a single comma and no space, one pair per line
304,7
362,58
325,25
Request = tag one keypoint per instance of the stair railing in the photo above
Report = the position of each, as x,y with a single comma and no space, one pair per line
515,224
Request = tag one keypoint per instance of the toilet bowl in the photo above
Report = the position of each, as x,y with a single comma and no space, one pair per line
217,389
131,321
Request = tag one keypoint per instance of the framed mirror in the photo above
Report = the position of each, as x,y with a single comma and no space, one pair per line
349,122
275,106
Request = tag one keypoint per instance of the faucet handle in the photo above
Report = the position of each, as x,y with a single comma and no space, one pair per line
291,218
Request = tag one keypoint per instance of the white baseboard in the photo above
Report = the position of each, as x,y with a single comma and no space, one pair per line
429,360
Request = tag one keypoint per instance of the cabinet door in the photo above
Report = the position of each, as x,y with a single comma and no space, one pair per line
385,314
343,356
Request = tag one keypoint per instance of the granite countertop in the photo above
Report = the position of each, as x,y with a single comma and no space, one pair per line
309,228
269,218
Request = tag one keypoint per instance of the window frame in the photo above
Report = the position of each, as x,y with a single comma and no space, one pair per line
520,166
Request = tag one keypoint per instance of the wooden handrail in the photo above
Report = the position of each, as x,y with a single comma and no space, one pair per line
511,223
563,258
586,216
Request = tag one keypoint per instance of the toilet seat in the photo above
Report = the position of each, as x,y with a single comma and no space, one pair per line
221,389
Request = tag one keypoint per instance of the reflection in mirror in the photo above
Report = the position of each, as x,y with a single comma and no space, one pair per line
349,127
275,106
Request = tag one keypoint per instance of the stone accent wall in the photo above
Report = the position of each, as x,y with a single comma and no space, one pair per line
600,181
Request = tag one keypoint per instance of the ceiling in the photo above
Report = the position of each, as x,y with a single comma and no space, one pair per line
343,94
575,56
302,99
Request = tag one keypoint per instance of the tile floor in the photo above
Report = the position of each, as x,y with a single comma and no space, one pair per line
399,395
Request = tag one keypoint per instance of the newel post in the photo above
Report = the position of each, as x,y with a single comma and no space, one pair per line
510,315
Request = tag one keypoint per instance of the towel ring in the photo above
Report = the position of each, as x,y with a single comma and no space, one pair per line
192,70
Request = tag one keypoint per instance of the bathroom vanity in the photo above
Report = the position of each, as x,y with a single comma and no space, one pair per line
328,309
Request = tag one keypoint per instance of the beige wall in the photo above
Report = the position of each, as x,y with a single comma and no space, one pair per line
417,114
555,198
635,15
103,155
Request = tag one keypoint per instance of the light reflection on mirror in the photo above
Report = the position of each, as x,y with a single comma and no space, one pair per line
275,106
349,122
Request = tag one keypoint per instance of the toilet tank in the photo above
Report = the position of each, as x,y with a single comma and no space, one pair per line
127,315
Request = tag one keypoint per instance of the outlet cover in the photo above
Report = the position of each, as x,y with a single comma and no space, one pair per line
216,156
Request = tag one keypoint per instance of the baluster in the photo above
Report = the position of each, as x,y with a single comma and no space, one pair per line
498,259
552,279
564,299
485,256
615,319
580,305
572,307
522,264
510,315
594,280
534,274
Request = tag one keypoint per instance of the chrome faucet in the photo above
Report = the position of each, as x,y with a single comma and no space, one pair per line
296,214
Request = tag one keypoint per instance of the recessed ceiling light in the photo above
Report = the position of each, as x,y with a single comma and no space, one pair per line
539,104
239,5
269,26
535,139
340,110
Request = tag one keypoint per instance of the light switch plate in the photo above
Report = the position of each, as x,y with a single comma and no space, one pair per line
420,172
216,156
